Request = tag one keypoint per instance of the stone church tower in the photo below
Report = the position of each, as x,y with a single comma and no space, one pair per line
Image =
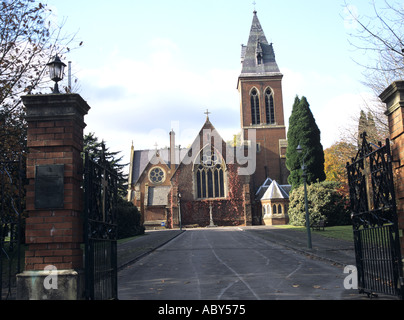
261,106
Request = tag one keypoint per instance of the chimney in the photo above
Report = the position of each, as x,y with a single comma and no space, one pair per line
172,159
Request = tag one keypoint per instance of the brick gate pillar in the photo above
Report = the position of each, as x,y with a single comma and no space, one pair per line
393,96
54,199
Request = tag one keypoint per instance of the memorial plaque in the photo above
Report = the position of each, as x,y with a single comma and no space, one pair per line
49,187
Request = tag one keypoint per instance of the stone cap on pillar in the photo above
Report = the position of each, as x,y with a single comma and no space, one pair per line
393,96
52,107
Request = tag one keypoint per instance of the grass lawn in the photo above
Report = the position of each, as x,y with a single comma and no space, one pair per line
336,232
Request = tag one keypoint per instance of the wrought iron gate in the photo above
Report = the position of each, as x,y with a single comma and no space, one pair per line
12,178
100,231
375,222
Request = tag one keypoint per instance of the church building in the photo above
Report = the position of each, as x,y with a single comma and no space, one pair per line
215,184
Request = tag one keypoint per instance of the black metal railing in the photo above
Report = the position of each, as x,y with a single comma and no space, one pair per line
378,260
100,231
375,221
12,178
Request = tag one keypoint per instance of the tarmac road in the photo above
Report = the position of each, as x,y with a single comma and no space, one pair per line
229,264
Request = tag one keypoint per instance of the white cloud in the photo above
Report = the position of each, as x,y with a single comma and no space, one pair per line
133,99
339,113
335,100
137,99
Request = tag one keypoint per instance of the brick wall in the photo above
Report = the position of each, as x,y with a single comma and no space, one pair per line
269,161
55,137
393,96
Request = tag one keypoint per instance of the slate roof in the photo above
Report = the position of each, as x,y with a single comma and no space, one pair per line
258,45
275,191
141,159
262,189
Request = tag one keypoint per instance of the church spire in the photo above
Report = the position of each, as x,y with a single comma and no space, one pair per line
258,57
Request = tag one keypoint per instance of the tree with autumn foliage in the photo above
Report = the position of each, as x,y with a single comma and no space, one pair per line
336,158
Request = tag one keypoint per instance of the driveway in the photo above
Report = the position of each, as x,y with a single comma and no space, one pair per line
229,264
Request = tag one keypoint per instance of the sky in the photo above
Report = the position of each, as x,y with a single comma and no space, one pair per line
147,67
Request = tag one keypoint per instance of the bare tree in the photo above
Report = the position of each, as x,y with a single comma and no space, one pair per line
28,40
380,38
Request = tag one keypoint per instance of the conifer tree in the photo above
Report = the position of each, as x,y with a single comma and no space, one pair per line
367,124
113,163
292,157
304,131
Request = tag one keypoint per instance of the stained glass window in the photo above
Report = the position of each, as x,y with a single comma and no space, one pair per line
269,106
209,176
157,175
255,107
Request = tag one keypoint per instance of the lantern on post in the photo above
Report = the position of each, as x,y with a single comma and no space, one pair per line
56,72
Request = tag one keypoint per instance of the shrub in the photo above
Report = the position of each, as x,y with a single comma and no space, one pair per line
129,220
324,202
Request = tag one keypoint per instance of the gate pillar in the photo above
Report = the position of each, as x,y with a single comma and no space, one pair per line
54,200
393,97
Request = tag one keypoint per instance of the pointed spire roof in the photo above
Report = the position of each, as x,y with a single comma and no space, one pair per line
275,191
262,189
258,57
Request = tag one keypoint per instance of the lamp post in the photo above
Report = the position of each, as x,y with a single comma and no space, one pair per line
56,71
299,149
179,209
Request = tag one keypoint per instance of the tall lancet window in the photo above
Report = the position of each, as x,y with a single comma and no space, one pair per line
255,107
269,106
209,175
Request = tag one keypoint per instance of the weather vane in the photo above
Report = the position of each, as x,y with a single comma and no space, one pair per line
254,3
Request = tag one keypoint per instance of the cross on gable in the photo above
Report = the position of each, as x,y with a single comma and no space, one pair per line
207,113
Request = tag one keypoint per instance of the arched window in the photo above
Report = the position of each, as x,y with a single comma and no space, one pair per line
255,107
274,209
279,208
209,173
269,106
